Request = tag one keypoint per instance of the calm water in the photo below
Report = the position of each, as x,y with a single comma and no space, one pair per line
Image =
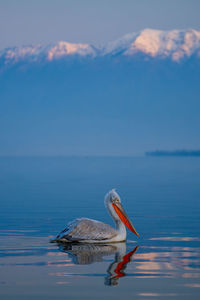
39,196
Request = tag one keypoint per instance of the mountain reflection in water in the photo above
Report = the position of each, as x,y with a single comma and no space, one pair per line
84,254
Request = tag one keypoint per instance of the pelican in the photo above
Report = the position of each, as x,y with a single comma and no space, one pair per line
84,230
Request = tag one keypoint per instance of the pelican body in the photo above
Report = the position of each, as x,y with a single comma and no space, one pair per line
84,230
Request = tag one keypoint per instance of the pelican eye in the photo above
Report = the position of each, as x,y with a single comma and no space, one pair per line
116,200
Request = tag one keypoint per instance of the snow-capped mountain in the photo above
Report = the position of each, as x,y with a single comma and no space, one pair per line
136,93
62,49
50,52
174,44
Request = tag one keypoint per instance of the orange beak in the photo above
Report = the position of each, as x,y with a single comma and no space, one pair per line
123,217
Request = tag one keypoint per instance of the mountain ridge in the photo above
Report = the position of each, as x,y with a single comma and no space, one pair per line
174,44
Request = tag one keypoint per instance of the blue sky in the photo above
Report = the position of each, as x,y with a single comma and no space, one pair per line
89,21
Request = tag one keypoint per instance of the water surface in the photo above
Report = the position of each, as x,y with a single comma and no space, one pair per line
40,195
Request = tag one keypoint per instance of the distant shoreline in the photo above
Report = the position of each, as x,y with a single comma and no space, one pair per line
173,153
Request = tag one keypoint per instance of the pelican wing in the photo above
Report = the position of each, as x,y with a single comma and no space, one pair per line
87,229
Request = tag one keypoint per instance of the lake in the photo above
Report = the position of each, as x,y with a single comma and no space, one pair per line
38,196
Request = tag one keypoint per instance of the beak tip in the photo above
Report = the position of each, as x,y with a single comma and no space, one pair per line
135,232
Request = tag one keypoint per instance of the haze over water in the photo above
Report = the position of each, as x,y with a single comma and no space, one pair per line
40,195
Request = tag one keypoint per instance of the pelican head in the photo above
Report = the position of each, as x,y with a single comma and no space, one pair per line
113,204
112,197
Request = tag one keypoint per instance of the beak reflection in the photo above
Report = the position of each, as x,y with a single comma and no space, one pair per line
89,253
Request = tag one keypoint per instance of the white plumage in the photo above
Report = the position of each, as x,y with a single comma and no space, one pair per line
91,231
84,229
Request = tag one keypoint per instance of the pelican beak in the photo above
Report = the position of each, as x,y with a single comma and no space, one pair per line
123,217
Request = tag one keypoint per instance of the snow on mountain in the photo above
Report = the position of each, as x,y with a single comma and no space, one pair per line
120,45
51,52
62,49
20,53
175,44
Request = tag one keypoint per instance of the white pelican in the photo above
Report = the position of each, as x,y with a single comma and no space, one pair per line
85,230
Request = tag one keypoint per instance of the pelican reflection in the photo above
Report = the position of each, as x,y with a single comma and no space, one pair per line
84,254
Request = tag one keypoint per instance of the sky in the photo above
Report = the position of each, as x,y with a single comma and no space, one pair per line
24,22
